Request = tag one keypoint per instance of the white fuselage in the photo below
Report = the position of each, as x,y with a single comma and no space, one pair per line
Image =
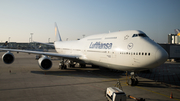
124,50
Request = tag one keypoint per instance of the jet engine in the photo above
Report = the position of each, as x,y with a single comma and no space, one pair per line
8,58
45,63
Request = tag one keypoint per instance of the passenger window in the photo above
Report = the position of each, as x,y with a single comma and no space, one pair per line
142,53
139,53
145,53
149,54
136,53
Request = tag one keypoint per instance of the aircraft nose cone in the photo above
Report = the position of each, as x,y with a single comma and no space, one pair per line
161,56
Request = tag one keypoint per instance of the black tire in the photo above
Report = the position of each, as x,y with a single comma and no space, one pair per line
60,67
136,81
65,67
82,65
131,82
72,66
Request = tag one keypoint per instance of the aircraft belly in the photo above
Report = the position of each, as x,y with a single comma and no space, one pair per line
113,66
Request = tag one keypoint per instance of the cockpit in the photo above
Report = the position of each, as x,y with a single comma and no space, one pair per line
140,35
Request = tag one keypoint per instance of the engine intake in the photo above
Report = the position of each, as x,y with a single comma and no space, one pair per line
8,58
45,63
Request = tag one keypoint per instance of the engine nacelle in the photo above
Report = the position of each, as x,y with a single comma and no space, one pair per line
8,58
45,63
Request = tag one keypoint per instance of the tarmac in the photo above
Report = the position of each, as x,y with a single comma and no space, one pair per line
23,80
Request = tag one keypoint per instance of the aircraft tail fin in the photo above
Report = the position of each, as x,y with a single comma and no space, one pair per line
57,34
177,31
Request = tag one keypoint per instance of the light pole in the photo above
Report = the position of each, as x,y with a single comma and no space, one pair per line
49,40
9,39
31,37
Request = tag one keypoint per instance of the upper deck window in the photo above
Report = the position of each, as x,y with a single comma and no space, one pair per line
140,35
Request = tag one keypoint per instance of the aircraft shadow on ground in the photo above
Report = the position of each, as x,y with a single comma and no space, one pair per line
101,73
82,72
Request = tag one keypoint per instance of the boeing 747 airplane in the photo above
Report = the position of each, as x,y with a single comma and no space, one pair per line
130,50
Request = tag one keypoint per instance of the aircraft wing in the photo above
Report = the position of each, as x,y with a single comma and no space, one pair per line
43,53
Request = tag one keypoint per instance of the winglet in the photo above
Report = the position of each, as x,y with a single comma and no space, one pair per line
57,34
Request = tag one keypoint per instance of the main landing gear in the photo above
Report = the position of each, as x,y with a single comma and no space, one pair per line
133,81
65,63
62,65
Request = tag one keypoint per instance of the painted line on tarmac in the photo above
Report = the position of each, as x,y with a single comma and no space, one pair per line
156,93
114,79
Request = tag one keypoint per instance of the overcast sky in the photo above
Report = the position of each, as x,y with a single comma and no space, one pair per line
75,18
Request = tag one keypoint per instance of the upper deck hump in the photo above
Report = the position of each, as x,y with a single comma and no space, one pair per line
112,35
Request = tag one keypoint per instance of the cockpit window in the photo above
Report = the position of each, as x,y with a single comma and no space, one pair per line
143,35
140,35
135,35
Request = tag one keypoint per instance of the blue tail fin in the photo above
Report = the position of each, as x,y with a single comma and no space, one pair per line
57,34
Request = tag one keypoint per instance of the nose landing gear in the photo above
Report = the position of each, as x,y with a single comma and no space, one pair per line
133,81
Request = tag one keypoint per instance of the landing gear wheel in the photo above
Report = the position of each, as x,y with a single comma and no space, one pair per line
72,65
136,81
95,66
82,65
60,66
131,82
64,67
